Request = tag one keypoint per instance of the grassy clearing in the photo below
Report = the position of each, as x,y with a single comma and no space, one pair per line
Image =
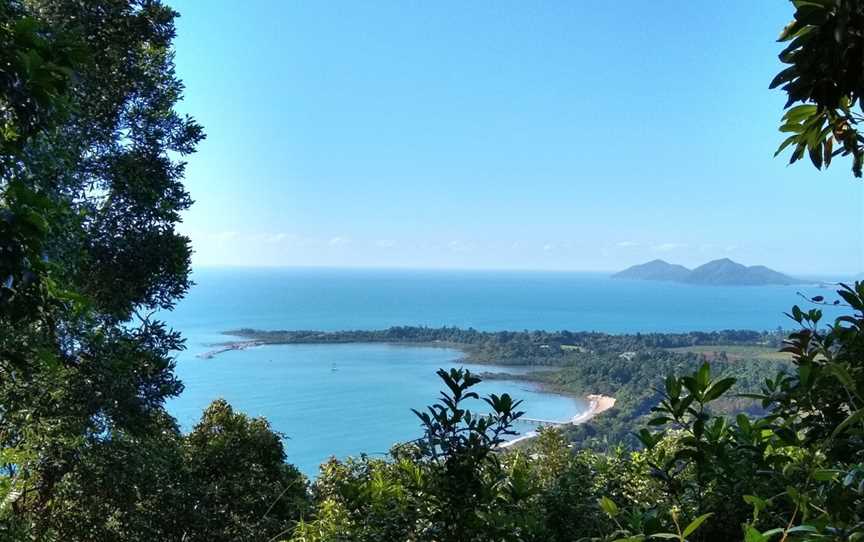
735,352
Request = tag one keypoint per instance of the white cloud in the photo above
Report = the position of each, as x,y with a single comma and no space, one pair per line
731,248
279,237
627,244
223,236
338,241
666,247
548,247
385,243
460,246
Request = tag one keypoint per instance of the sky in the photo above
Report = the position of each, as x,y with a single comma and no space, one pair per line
572,135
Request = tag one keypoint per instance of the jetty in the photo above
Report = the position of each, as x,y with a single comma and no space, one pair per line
240,345
545,423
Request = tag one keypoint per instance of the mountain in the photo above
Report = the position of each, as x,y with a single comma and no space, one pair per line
723,272
655,270
729,273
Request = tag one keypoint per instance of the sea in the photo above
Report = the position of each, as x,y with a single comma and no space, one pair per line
351,399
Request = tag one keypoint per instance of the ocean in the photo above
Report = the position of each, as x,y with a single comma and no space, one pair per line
350,399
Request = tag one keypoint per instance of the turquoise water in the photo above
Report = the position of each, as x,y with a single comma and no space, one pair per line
329,299
363,406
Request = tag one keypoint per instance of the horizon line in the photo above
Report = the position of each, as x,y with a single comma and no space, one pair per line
806,274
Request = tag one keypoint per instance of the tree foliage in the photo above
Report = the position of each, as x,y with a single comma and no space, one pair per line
89,195
91,170
824,53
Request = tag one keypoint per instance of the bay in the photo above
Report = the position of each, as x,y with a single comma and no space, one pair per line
340,400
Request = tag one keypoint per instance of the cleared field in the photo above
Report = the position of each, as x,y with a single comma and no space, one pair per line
735,352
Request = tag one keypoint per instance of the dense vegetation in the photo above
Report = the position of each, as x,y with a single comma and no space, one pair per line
556,348
824,78
90,192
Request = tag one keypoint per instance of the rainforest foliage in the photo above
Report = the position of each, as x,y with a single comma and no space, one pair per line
91,170
91,150
554,348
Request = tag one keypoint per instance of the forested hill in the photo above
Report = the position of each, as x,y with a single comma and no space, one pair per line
655,270
722,272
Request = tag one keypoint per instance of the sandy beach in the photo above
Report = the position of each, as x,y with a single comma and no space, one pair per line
596,404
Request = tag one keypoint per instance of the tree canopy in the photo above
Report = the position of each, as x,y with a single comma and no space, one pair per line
91,169
824,53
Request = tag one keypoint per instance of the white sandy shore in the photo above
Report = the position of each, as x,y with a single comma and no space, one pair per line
596,405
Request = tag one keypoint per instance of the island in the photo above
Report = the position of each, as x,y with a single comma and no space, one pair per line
722,272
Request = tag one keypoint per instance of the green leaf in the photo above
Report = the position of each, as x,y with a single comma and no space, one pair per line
718,388
695,524
823,475
608,506
815,152
803,529
662,420
800,112
794,127
851,298
757,502
703,376
786,142
752,535
786,75
796,313
842,374
853,418
828,150
771,532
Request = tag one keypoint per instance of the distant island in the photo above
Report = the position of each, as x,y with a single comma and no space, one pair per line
723,272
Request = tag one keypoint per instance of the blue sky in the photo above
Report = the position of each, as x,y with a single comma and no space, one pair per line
586,135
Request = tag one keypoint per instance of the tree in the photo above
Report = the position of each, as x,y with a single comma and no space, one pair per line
825,52
91,189
90,192
243,490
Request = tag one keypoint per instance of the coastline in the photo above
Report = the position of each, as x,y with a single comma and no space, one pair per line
596,404
221,348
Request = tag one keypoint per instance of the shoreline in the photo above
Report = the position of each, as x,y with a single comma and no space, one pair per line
597,404
221,348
